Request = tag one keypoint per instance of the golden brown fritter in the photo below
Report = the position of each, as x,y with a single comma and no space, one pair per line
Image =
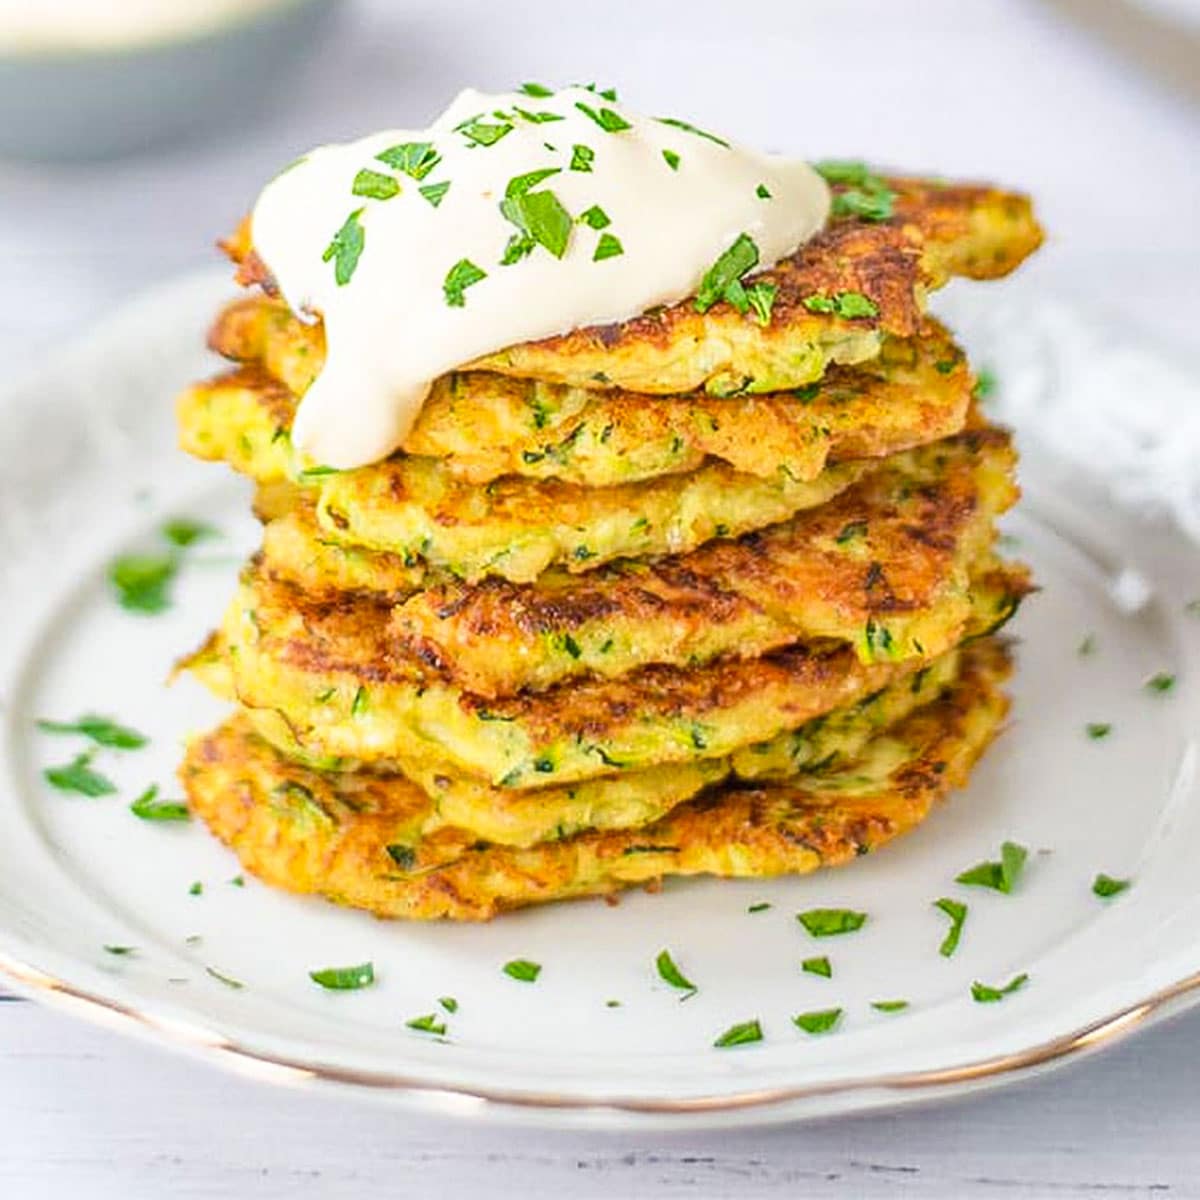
330,834
483,425
937,229
327,680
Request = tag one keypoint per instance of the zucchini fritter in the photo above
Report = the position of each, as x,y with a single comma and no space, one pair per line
483,425
343,837
327,680
938,229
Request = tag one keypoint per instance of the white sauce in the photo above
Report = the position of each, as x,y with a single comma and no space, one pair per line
389,330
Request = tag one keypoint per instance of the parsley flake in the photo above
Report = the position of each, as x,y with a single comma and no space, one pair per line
448,1003
983,994
830,922
102,730
77,776
1001,876
606,118
539,91
609,246
818,966
821,1021
461,276
1105,886
889,1006
722,281
374,185
582,158
1097,730
1160,682
345,979
670,973
483,133
346,248
538,117
429,1023
540,216
596,217
522,970
197,889
671,159
848,305
985,384
740,1035
761,296
121,951
142,581
761,906
414,159
227,980
435,193
850,531
149,808
763,192
957,912
183,531
675,123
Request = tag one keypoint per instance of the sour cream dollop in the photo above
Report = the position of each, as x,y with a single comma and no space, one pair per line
513,217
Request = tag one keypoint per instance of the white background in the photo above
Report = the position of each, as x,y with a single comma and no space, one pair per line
1013,90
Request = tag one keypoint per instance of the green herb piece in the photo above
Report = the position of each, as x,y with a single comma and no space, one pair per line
1087,647
227,980
522,970
761,906
427,1024
957,912
102,730
871,204
434,192
845,304
821,1021
596,217
405,857
197,889
540,216
518,185
850,531
762,192
77,776
183,531
985,384
1001,876
121,951
374,185
142,581
448,1003
983,994
539,117
582,158
612,1004
671,159
414,159
761,297
1160,682
945,366
483,133
818,966
345,979
461,276
360,703
608,246
1105,886
670,973
149,808
606,118
722,281
1097,730
830,922
238,881
740,1035
538,90
889,1006
675,123
346,248
604,93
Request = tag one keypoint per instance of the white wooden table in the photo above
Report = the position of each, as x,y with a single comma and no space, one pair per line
998,88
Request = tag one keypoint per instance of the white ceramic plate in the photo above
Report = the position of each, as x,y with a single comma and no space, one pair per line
90,471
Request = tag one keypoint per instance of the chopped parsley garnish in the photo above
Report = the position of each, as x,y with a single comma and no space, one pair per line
149,808
142,580
609,246
867,195
845,304
957,912
818,966
889,1006
830,922
985,384
606,118
671,159
405,857
461,276
538,90
374,185
523,970
434,192
609,93
596,217
675,123
612,1004
429,1023
360,703
414,159
346,249
483,133
1087,647
723,280
102,730
1160,682
77,776
238,881
197,889
1097,730
540,216
740,1035
946,366
121,951
821,1021
763,192
582,158
850,531
983,994
761,297
1105,885
670,973
448,1003
227,980
538,118
345,979
1002,876
761,906
183,531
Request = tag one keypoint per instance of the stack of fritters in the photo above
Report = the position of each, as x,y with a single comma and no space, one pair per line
687,594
